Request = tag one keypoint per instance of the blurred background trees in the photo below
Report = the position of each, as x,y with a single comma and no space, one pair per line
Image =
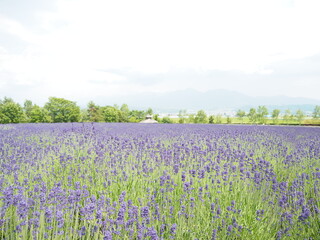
10,111
63,110
275,116
241,114
201,117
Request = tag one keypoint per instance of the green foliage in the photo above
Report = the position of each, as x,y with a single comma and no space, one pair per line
299,116
275,115
181,120
191,118
201,117
211,119
219,119
229,120
316,112
27,108
262,113
156,117
241,114
6,100
138,115
166,120
252,115
84,116
111,114
149,111
182,116
94,112
125,111
62,110
287,116
39,115
133,120
10,112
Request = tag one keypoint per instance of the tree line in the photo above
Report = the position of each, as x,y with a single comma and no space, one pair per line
261,115
63,110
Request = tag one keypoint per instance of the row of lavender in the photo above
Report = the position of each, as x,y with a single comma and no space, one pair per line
132,181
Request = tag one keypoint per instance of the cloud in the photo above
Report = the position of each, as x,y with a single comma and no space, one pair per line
30,12
293,77
79,48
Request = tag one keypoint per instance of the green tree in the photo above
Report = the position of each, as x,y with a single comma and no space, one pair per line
10,111
138,115
229,120
133,119
316,112
84,116
241,114
125,111
262,113
182,116
39,115
287,116
211,119
94,112
252,115
27,108
166,120
111,114
191,118
62,110
299,116
219,119
149,111
275,115
201,117
6,100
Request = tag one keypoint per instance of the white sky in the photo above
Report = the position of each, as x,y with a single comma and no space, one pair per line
81,49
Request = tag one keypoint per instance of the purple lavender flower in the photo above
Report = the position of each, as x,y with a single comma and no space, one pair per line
173,229
121,214
176,168
82,231
122,196
283,201
305,214
60,218
163,228
214,234
48,215
107,235
145,212
152,233
219,211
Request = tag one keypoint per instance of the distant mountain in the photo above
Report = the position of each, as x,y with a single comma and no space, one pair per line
211,100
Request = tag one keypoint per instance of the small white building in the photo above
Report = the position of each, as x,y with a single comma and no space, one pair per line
149,120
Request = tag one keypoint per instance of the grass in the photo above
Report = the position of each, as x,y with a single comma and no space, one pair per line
269,121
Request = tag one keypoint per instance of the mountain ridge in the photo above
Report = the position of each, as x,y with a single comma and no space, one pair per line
210,100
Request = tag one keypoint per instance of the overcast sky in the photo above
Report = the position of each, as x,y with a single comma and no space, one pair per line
81,49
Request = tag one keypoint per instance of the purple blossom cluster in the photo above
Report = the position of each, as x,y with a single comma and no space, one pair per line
133,181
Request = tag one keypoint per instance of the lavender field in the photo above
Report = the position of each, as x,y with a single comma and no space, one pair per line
136,181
